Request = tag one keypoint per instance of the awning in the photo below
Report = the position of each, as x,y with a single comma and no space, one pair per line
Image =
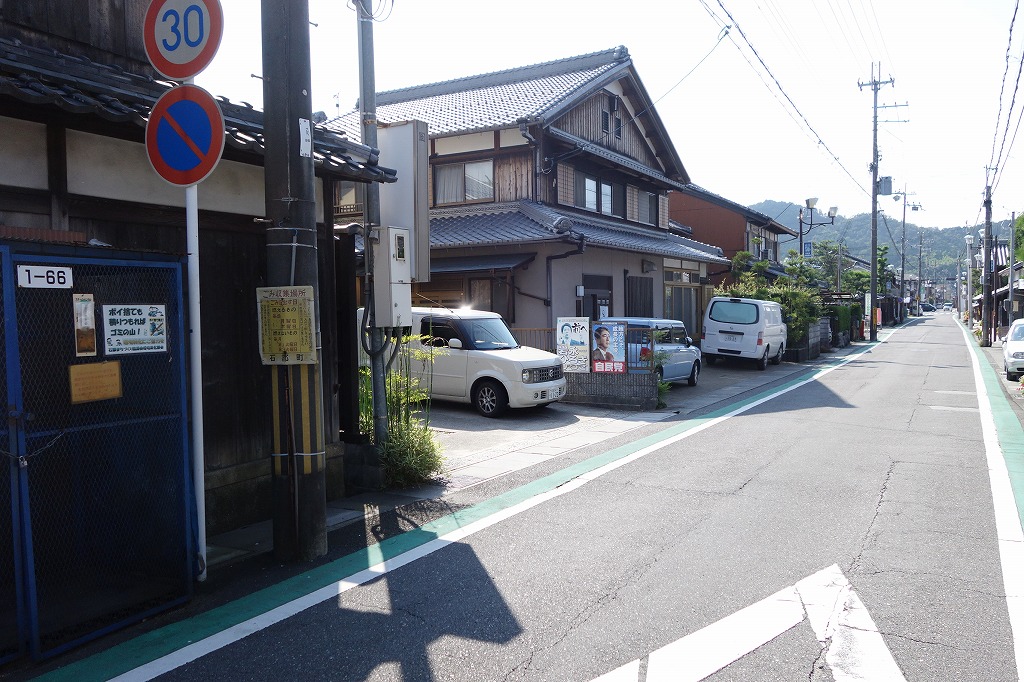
491,263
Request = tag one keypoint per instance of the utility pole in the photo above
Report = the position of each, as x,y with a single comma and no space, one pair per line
368,117
298,476
875,84
1012,262
839,267
920,259
986,273
903,250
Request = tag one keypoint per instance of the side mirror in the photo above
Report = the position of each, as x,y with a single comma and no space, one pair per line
689,342
454,343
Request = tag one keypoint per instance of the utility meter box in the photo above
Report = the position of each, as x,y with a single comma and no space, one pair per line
405,146
392,277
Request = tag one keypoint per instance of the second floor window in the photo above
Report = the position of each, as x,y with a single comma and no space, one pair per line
458,183
647,207
602,196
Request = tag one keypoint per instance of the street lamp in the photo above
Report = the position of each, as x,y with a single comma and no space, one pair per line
811,203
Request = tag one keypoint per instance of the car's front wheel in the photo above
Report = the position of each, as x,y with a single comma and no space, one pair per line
778,356
489,398
762,363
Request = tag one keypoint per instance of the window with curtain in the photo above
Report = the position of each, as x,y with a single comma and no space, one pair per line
647,207
457,183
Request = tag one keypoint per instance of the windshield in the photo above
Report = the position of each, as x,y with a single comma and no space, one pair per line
489,333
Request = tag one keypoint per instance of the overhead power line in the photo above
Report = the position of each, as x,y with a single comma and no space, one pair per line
788,98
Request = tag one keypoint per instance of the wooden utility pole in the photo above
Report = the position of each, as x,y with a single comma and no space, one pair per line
875,84
298,476
986,273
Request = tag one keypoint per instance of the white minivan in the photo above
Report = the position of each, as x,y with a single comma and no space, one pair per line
471,356
743,328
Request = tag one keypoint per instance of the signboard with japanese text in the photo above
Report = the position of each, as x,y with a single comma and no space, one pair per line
286,325
609,354
134,328
95,381
573,343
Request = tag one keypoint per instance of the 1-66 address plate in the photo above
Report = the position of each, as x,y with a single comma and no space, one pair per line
44,277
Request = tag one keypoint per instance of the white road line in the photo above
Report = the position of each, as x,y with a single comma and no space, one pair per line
710,649
627,673
1008,528
854,649
947,408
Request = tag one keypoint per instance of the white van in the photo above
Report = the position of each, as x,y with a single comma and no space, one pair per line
743,328
471,356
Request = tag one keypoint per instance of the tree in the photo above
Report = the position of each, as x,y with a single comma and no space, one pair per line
745,268
857,281
886,274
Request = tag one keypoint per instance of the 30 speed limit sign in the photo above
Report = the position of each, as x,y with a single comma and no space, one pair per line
182,36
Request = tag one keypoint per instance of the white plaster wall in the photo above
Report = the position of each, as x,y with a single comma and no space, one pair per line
511,137
473,142
109,168
24,154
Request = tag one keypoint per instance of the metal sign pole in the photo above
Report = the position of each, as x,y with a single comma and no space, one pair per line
195,341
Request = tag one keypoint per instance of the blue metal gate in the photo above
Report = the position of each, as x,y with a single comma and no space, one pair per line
97,518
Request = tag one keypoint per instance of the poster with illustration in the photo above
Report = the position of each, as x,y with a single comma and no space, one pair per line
572,343
609,353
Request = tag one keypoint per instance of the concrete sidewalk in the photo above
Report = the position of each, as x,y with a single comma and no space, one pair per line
467,465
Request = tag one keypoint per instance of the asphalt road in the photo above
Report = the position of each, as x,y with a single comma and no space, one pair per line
841,526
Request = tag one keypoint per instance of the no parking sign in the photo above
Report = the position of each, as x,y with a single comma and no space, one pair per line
185,135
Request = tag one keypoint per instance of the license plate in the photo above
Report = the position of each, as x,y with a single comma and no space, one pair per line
731,338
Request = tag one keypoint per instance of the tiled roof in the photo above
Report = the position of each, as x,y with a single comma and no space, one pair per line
766,221
77,85
620,159
526,222
488,101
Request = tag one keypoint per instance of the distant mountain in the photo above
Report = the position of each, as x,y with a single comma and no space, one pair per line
932,251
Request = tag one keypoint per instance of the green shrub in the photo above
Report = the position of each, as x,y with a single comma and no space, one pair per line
411,454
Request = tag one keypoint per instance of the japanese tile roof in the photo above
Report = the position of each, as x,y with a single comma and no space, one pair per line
750,214
493,100
532,222
481,262
620,159
77,85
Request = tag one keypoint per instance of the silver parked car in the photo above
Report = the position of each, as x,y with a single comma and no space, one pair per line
1013,350
661,343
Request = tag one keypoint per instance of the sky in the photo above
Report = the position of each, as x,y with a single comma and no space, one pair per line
779,106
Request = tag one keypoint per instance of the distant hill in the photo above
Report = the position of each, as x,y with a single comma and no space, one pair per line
936,249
